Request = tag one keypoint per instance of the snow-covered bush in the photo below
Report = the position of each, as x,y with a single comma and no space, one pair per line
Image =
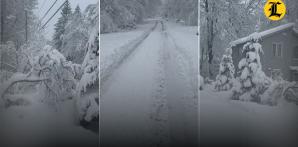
252,81
225,77
276,92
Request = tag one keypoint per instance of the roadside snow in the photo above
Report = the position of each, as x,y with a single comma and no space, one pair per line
228,120
39,123
112,56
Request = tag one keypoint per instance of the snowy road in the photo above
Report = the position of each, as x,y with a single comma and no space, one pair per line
150,99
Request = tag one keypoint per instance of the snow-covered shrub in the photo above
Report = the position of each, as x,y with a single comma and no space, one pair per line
225,77
276,92
252,81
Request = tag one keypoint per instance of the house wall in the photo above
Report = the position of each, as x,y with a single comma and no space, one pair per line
289,41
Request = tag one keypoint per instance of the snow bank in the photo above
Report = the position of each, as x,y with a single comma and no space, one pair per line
113,60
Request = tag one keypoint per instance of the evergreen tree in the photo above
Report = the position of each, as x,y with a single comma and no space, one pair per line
225,77
61,24
75,37
77,13
252,82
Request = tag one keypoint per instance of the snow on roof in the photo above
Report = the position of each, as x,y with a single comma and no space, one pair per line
261,34
295,68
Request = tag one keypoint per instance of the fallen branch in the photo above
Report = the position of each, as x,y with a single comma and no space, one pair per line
18,78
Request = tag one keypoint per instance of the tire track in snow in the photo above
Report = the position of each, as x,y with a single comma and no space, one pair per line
182,113
159,113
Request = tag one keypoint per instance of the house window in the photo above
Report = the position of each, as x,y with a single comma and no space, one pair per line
295,52
277,49
295,76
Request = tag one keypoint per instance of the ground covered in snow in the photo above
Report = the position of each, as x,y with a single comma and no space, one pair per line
39,124
250,124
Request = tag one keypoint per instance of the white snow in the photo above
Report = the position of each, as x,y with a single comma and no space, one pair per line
159,74
127,100
115,47
37,122
110,42
223,119
259,35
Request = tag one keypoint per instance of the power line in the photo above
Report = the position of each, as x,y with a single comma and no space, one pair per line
53,15
48,10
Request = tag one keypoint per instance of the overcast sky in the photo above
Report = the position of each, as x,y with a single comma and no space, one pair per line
44,5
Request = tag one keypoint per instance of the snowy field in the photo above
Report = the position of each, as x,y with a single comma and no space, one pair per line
247,123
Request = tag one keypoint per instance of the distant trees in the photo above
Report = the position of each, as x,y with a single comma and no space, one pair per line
75,37
125,14
182,10
61,24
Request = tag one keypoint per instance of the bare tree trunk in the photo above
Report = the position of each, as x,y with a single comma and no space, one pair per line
210,34
2,21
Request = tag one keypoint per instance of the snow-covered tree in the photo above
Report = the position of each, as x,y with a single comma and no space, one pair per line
87,99
61,24
252,81
225,77
75,37
53,73
222,22
125,14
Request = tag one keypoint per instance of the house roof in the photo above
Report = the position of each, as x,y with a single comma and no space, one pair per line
263,34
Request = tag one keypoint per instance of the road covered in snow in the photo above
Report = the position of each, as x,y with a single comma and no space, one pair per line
150,97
